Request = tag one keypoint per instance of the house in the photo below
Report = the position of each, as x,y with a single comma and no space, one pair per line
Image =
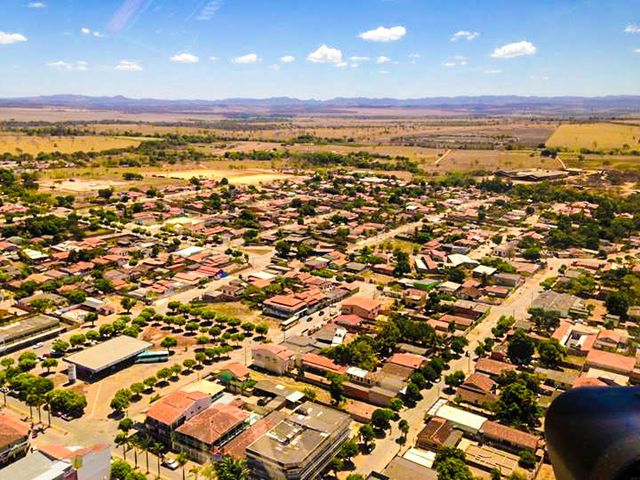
321,365
610,362
407,360
438,433
274,358
14,437
477,389
200,436
507,279
493,368
171,411
508,438
364,307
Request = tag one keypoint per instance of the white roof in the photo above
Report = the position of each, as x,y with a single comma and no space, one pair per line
616,377
295,396
456,259
34,254
424,458
452,286
187,252
262,275
484,270
461,417
357,372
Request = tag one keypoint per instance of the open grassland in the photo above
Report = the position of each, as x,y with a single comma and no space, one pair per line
465,160
596,136
17,143
601,162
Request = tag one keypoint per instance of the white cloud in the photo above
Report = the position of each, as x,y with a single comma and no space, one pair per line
213,58
128,66
359,59
275,66
342,64
9,38
184,58
632,28
88,31
288,59
382,59
80,65
458,61
637,50
384,72
464,35
249,58
384,34
326,54
36,5
515,49
493,72
209,10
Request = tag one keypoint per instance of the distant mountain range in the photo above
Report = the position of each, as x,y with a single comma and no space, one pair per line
479,105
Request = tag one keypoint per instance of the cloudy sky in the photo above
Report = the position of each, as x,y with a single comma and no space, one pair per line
213,49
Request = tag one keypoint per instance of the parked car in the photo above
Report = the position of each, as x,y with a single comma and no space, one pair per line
170,463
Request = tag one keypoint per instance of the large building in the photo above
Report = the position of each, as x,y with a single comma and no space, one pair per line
301,446
168,413
107,357
21,334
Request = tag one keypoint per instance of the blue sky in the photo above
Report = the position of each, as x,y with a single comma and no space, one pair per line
211,49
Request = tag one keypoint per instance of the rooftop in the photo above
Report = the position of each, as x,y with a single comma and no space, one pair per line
169,409
109,353
213,423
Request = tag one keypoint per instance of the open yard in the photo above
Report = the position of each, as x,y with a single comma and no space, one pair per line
596,136
462,160
12,143
237,177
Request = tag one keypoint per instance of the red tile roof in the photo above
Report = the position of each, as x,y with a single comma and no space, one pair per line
495,431
169,409
213,423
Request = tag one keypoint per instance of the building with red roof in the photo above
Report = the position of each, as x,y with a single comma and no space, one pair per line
168,413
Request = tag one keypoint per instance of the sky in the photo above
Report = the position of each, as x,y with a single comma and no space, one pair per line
214,49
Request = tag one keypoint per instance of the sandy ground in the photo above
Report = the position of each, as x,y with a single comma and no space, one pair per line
34,144
238,177
79,186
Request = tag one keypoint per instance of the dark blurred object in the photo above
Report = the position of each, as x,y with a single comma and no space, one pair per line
594,433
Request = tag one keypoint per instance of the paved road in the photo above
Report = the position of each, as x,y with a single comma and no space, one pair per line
516,305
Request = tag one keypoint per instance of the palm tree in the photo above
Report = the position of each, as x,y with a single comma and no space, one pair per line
232,469
208,471
157,449
121,439
182,460
145,444
195,470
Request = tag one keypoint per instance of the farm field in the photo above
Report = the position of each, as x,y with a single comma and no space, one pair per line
595,136
17,143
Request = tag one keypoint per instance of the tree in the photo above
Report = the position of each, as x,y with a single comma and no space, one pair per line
396,404
60,346
450,465
366,435
230,468
355,476
617,303
137,388
169,343
125,425
458,344
92,318
67,402
454,379
189,363
120,401
551,352
412,393
128,303
262,329
527,459
403,425
122,440
164,373
518,405
336,388
283,248
150,382
182,460
402,266
381,418
120,469
77,339
520,348
348,450
545,320
49,363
